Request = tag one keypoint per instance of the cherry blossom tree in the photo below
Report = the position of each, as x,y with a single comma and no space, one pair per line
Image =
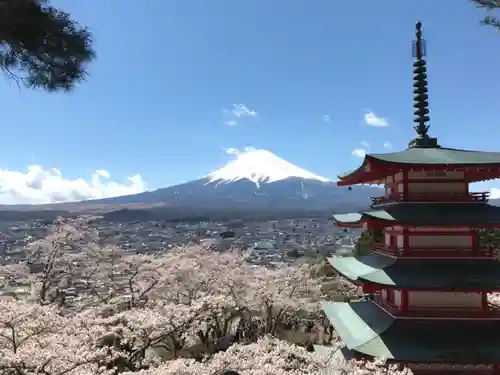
178,312
36,339
273,357
55,262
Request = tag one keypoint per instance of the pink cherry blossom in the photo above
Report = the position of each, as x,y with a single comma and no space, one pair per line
186,311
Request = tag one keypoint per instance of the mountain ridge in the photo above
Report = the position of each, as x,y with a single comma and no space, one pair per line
256,179
260,166
256,183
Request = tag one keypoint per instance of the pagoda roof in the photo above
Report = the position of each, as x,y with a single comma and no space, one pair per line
439,156
368,329
425,214
423,157
427,274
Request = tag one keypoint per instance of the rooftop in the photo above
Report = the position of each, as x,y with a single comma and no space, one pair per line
427,214
424,274
368,329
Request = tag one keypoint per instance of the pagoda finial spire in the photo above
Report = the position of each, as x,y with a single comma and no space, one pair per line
420,96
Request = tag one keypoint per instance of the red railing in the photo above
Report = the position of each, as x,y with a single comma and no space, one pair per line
431,197
490,312
380,246
435,252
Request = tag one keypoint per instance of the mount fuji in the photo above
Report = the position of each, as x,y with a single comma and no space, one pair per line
255,182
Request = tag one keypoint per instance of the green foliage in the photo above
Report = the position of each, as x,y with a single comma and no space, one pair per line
365,243
491,6
378,235
489,238
41,46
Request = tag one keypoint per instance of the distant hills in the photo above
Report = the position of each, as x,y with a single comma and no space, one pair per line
257,184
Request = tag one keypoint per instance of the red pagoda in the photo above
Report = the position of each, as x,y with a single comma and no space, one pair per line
427,279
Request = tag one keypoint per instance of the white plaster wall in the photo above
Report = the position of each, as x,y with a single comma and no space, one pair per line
444,299
400,241
387,239
398,176
437,187
459,241
397,298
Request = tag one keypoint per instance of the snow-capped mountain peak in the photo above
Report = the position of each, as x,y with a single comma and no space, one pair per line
260,166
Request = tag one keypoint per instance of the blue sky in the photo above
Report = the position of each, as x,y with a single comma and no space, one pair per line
166,70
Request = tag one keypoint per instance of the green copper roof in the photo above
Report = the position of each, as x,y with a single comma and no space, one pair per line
460,274
440,155
428,214
435,156
367,329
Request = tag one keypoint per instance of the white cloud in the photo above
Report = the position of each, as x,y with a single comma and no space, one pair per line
494,193
326,118
365,144
39,186
492,187
372,119
236,151
387,145
239,110
236,112
359,152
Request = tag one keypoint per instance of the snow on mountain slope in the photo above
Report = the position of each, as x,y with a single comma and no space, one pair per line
260,166
256,181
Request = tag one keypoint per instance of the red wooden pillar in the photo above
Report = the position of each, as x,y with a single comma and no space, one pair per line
390,297
369,288
484,301
406,242
405,184
475,244
404,301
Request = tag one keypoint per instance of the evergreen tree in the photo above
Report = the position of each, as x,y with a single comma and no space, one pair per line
365,243
489,238
492,7
41,46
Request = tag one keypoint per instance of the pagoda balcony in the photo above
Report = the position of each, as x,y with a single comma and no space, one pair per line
475,197
490,312
434,252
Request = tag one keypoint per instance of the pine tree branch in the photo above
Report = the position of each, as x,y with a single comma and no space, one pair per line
41,46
